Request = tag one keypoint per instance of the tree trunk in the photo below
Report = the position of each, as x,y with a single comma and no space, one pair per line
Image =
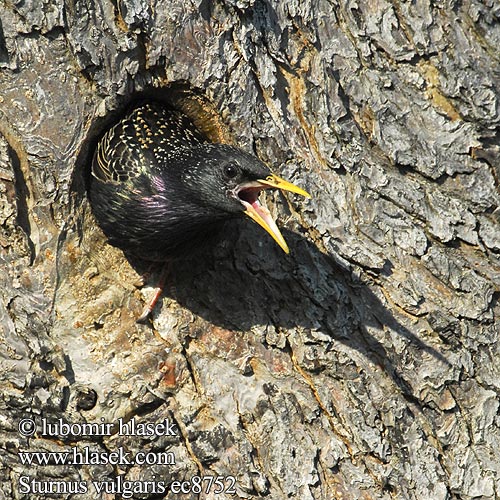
363,365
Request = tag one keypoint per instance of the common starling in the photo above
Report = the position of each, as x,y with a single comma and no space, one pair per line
159,189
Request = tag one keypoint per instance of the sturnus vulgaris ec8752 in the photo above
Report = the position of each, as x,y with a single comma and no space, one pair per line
159,189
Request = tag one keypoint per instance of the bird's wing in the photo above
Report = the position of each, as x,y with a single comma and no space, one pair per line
167,130
147,136
118,157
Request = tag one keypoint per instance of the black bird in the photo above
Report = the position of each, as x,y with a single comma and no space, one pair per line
159,189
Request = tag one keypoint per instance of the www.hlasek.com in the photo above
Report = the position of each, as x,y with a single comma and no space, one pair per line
88,455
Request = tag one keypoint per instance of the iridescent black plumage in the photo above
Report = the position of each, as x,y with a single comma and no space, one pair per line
160,190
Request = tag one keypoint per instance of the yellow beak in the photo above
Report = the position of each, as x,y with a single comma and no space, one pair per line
277,182
261,214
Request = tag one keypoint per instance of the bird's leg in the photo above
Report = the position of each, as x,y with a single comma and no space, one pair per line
158,291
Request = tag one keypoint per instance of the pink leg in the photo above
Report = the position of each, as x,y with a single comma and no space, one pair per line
158,291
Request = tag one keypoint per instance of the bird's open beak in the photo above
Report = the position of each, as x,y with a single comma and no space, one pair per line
248,194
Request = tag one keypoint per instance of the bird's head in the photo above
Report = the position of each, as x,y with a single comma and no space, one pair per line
227,181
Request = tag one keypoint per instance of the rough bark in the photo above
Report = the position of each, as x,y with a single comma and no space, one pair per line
365,364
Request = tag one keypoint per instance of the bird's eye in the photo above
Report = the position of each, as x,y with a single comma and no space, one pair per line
231,170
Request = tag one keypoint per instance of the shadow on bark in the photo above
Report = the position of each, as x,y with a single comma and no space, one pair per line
237,289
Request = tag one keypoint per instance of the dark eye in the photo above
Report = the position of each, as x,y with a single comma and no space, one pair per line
231,170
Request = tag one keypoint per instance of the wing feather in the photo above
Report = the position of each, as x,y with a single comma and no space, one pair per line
146,137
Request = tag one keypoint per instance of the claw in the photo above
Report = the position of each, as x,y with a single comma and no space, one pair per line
148,308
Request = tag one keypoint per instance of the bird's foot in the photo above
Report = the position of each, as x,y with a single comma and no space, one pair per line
148,309
141,281
144,277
